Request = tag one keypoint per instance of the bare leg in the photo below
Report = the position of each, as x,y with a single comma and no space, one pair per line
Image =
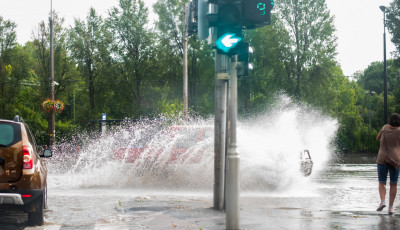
382,191
392,194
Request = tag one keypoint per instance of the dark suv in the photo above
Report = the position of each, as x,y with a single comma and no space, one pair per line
23,174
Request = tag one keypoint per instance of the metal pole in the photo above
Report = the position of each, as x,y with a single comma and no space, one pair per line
384,69
52,113
217,133
223,138
74,106
221,91
233,159
103,124
385,106
185,61
220,107
369,112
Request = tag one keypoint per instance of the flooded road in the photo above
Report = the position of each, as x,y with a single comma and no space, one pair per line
154,176
347,189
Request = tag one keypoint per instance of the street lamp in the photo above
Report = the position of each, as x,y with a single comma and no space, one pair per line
52,83
385,109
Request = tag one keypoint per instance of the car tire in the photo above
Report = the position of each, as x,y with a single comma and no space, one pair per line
37,217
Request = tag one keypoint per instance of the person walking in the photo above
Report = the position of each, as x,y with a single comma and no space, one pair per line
389,138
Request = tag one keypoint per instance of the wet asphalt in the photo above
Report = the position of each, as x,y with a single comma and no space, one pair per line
198,214
344,198
259,213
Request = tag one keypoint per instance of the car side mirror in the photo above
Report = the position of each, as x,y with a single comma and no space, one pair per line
47,153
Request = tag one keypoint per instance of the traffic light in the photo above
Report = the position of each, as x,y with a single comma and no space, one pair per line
232,16
193,18
203,23
229,13
243,58
228,40
256,13
229,26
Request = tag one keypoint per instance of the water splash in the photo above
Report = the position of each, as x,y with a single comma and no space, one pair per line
149,154
270,145
139,154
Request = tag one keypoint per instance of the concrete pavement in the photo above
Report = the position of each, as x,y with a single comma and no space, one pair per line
256,213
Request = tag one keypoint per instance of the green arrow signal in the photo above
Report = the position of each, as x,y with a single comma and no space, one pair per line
227,42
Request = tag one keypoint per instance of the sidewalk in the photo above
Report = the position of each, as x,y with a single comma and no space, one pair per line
256,213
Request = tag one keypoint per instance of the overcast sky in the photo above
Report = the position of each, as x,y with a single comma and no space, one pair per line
359,24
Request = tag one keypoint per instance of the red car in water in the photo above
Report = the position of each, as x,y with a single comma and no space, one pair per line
177,144
130,146
189,143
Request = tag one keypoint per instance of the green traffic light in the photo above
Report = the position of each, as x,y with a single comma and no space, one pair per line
227,42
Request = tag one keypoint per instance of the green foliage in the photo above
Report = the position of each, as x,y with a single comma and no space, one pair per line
393,23
65,130
120,66
89,45
311,40
171,109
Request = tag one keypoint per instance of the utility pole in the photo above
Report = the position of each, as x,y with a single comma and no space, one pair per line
385,106
185,60
220,126
52,113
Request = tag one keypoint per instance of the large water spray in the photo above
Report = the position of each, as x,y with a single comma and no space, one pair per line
156,154
270,146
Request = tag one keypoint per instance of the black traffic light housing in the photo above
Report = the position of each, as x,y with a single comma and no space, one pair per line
229,26
256,13
193,18
232,17
243,59
229,13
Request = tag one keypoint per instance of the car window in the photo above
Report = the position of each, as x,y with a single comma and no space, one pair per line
186,138
9,134
134,138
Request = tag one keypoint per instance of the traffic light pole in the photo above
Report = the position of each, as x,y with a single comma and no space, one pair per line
52,118
221,90
233,158
185,62
229,18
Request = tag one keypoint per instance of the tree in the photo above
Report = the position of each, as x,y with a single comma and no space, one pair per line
200,58
65,73
312,40
133,46
170,18
269,76
8,36
393,23
8,41
64,69
88,43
